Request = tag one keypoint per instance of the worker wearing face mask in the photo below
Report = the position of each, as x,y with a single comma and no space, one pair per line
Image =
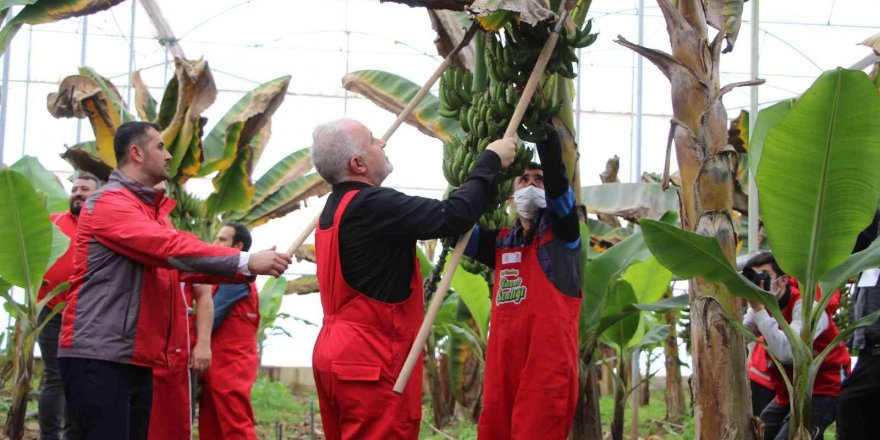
530,388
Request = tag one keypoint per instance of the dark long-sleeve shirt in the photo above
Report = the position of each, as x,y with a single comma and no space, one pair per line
379,229
560,258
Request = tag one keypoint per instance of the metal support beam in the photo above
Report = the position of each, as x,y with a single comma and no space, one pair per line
166,35
753,117
640,70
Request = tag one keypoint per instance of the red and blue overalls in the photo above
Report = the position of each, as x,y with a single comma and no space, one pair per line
531,381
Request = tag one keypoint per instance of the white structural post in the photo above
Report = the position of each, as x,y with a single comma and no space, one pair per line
4,94
640,69
82,62
753,116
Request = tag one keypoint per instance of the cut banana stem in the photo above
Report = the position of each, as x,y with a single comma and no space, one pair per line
415,353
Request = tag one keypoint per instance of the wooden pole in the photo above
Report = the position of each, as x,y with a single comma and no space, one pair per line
415,353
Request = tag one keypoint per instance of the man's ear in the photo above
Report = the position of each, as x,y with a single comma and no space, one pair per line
356,165
136,153
238,245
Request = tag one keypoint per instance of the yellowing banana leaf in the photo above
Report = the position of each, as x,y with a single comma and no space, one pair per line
302,285
47,11
287,199
191,92
450,27
82,97
84,157
238,128
306,252
873,42
114,98
233,189
630,200
43,180
530,11
143,100
292,167
726,16
393,93
496,20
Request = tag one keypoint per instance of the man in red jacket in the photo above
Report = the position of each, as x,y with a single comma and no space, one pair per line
826,387
51,404
225,411
129,263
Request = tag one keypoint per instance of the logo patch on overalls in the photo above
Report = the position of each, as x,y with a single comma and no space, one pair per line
511,257
510,288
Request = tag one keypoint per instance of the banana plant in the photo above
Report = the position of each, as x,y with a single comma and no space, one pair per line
45,11
818,189
230,150
31,245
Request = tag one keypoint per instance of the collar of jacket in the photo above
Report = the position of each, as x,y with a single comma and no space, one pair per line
147,195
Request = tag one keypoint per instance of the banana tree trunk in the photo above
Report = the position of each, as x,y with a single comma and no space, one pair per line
439,397
708,166
674,387
23,371
587,418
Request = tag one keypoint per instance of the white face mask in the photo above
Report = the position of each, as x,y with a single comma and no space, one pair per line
528,201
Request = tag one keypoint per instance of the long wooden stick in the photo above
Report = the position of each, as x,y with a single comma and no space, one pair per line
415,353
413,103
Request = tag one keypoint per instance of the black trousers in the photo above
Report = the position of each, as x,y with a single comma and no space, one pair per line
761,397
51,403
776,418
859,406
107,400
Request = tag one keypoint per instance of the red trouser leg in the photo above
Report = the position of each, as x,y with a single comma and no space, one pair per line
230,402
170,414
209,426
367,409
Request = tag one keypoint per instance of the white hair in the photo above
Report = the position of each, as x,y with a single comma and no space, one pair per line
333,147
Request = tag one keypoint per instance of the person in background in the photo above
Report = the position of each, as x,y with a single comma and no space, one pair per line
225,411
51,414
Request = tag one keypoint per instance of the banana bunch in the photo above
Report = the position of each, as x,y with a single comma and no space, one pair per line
522,159
457,161
505,64
496,219
474,266
455,92
582,37
484,121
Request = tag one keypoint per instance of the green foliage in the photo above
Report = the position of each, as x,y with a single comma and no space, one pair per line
43,180
270,303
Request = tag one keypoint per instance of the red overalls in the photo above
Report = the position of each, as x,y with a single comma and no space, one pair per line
531,381
225,411
827,382
360,351
171,414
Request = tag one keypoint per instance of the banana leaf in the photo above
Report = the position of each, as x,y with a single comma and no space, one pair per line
649,280
81,96
529,11
271,296
393,93
292,167
302,285
26,233
110,91
629,200
817,179
143,101
287,199
474,293
726,16
619,299
84,156
43,180
233,189
47,11
241,124
767,118
190,93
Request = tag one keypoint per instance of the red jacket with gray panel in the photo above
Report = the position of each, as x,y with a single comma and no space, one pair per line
129,260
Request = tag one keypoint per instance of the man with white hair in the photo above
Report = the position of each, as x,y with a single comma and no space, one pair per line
369,277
